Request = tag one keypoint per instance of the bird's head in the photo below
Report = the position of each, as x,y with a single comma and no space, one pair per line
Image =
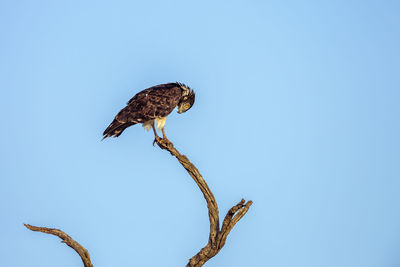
187,98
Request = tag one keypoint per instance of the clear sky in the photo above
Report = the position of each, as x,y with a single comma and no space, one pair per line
297,108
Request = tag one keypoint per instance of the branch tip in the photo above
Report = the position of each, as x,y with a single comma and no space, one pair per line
66,239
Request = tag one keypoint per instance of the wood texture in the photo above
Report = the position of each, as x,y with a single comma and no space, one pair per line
83,253
217,236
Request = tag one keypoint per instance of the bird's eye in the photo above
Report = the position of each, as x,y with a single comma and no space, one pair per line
186,106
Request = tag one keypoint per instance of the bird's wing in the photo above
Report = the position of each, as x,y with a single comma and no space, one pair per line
161,89
154,102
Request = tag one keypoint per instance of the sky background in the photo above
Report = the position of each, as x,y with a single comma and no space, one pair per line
297,108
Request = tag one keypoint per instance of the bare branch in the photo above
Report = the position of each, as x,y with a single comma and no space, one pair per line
195,174
83,253
231,218
217,237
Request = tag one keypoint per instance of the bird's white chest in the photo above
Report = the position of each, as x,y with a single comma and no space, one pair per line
160,123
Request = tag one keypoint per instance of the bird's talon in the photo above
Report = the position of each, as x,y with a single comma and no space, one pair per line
156,140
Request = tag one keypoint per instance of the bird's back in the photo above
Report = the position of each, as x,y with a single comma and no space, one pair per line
154,102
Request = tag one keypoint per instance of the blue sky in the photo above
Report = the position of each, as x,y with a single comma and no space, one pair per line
297,108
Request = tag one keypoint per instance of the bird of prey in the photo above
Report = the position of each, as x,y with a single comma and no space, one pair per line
150,106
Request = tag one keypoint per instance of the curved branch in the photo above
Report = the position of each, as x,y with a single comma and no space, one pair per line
217,237
83,253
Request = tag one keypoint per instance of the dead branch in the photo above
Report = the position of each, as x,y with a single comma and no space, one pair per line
217,236
83,253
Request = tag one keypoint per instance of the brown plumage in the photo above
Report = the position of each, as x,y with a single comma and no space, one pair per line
152,105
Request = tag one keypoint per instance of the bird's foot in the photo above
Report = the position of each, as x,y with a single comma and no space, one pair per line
157,139
162,141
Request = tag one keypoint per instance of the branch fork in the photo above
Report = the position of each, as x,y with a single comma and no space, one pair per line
217,237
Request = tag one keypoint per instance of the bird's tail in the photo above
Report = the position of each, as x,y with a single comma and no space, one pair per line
116,128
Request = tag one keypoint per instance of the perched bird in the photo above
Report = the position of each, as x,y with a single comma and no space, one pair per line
150,106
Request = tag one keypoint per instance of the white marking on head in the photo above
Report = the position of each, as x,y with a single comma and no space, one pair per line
185,89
